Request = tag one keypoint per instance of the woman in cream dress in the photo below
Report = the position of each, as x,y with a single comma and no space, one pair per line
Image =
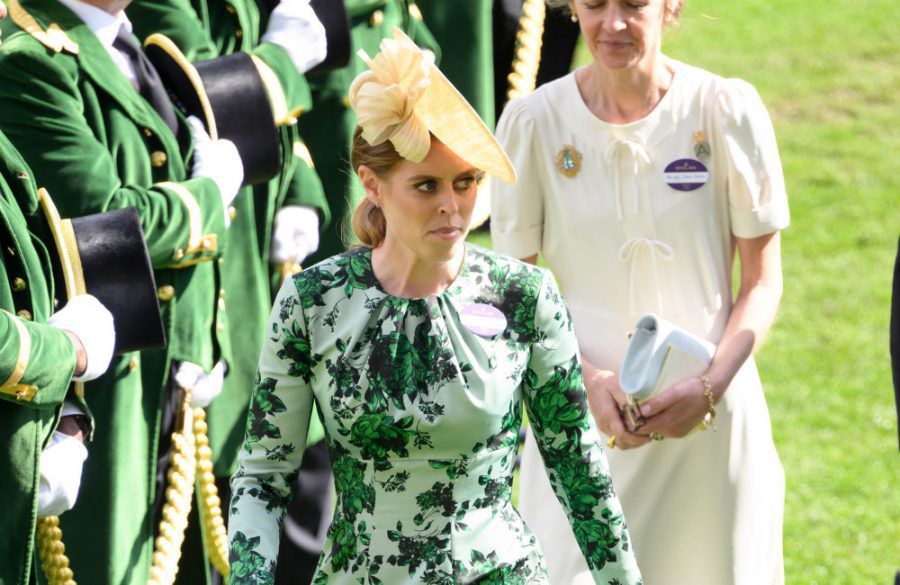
640,178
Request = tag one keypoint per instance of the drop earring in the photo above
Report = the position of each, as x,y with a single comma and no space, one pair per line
573,17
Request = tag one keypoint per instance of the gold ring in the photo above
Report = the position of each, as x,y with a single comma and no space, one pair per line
611,443
656,436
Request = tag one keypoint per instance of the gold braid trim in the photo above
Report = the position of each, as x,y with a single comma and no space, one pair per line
210,504
527,59
179,493
53,552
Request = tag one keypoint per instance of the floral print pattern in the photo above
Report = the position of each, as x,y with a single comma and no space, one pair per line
422,418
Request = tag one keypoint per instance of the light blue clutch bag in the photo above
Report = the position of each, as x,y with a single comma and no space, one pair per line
659,354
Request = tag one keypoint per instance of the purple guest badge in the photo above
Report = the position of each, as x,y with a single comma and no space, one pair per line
483,320
686,174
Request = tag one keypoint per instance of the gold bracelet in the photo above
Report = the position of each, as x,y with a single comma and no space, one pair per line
709,421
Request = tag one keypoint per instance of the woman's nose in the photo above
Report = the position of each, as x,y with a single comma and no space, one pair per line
448,204
614,17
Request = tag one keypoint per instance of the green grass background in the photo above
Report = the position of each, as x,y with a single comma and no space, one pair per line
829,72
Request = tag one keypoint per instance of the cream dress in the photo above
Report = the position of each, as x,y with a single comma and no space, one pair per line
641,218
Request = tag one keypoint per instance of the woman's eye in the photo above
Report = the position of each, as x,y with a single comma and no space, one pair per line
464,184
426,186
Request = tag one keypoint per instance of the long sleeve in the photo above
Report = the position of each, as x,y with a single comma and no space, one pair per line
36,362
277,425
91,161
558,412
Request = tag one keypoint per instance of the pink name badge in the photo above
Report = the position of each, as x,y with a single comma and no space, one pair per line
483,320
686,174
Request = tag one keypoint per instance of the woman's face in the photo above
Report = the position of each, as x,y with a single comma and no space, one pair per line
622,34
427,206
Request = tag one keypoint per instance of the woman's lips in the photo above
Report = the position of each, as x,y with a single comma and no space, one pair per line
447,233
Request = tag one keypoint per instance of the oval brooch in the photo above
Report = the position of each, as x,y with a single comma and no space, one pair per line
568,161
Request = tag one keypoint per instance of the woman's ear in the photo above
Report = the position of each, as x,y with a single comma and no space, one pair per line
371,184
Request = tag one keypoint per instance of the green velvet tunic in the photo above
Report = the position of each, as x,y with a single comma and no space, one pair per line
206,29
43,355
97,145
421,415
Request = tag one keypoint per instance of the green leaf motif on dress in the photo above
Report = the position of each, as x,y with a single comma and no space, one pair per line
248,566
297,351
560,401
263,403
379,434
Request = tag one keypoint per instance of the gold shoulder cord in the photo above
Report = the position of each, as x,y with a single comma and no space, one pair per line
210,504
179,493
527,59
53,552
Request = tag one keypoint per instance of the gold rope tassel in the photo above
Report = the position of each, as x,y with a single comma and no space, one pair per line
53,552
529,39
179,493
210,504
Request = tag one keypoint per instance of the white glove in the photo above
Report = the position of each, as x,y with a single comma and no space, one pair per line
204,387
295,234
61,463
86,318
218,160
294,26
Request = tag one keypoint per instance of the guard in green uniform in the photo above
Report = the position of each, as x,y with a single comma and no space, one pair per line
271,223
37,363
206,29
328,130
98,144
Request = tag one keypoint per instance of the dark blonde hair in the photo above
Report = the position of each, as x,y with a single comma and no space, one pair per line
368,222
672,8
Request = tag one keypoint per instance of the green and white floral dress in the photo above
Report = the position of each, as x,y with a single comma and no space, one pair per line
422,417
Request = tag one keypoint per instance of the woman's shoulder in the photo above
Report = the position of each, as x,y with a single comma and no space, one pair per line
717,90
545,102
341,274
500,271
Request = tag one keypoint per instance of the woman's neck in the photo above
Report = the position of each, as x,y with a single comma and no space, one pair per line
402,274
622,96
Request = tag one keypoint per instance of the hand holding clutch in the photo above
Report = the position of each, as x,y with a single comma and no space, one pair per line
659,355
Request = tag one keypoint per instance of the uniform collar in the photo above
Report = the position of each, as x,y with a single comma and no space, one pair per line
103,24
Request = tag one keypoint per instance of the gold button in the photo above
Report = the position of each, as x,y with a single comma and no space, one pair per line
158,159
165,292
179,254
148,132
133,364
21,395
377,18
220,328
19,284
415,12
230,9
238,33
206,244
346,101
25,314
221,304
232,213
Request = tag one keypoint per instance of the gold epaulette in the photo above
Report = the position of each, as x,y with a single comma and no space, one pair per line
54,38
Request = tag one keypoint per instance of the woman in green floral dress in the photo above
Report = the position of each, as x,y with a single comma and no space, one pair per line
419,351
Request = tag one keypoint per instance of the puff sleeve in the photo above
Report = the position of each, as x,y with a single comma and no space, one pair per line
517,211
757,198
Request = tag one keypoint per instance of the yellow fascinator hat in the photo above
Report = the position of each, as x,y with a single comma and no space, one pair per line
404,98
